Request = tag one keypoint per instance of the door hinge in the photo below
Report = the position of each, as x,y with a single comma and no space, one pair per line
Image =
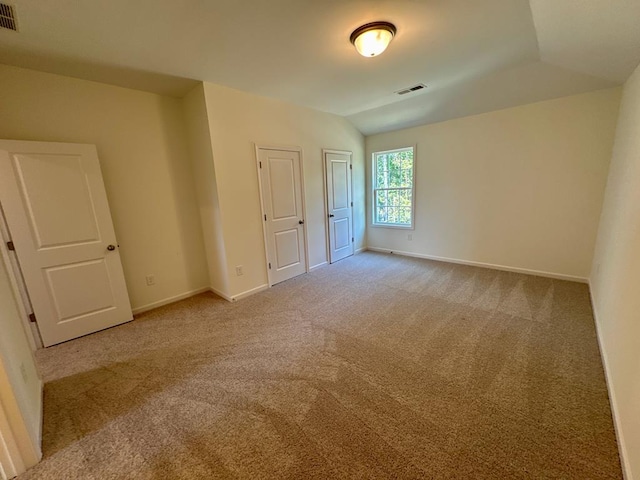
352,204
11,246
353,239
260,164
269,266
265,217
350,166
32,317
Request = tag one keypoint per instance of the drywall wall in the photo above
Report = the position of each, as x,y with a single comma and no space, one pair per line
237,122
20,384
142,145
520,188
201,153
616,276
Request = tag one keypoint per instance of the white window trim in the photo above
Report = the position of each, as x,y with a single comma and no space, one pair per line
413,190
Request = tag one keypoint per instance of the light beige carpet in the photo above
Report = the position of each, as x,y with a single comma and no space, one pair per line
378,366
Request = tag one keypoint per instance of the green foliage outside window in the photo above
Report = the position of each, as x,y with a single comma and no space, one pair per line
393,187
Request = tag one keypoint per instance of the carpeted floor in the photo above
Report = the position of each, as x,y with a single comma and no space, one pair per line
378,366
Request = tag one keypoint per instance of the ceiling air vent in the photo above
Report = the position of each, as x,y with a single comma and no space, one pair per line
8,17
415,88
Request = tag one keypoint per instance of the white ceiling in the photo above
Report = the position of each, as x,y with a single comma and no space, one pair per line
596,37
475,56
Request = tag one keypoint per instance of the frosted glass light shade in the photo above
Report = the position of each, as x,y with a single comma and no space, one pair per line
373,39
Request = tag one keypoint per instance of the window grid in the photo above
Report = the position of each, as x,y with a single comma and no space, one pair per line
393,187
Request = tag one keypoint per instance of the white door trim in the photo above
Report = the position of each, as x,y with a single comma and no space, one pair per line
18,286
326,197
17,450
289,148
11,463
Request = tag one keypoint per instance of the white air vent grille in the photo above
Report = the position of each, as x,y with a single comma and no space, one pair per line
8,17
415,88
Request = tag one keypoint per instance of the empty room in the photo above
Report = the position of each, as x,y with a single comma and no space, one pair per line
302,239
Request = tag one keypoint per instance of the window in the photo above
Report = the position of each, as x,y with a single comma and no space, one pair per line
393,174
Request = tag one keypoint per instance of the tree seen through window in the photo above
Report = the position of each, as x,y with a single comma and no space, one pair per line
393,187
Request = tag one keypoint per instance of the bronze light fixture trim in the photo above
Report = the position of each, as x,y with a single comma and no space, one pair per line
373,38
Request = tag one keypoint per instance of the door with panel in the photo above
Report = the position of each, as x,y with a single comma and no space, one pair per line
56,207
283,211
339,204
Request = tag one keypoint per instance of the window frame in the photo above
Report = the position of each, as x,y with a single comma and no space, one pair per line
374,189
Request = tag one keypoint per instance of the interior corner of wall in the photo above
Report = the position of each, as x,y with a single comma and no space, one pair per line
193,90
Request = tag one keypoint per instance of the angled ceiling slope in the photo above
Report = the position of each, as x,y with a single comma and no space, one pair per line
594,37
473,56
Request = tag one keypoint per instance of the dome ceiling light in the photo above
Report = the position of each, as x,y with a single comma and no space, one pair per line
373,38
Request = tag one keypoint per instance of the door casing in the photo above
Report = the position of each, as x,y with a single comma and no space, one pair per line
18,286
18,452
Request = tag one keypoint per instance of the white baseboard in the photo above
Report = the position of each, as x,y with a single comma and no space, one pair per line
360,250
246,294
626,468
166,301
182,296
311,269
539,273
220,294
40,419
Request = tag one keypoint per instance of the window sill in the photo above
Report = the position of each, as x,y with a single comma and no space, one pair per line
397,227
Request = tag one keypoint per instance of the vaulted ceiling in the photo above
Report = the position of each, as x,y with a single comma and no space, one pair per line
474,56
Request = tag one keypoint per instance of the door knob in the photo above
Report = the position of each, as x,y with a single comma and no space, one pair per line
331,215
111,248
301,222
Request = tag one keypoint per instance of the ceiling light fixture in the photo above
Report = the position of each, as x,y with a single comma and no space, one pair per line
373,38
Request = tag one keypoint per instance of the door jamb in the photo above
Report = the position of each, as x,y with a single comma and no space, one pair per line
11,462
326,197
17,450
259,147
15,278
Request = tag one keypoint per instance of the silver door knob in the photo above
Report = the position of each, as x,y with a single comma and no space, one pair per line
111,248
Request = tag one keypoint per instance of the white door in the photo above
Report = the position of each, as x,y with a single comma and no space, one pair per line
339,204
283,210
56,207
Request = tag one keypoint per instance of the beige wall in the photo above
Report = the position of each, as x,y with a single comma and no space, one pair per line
142,146
201,152
20,384
520,188
237,120
615,278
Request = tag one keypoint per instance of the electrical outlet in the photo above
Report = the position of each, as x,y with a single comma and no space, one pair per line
151,280
410,237
239,270
23,372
